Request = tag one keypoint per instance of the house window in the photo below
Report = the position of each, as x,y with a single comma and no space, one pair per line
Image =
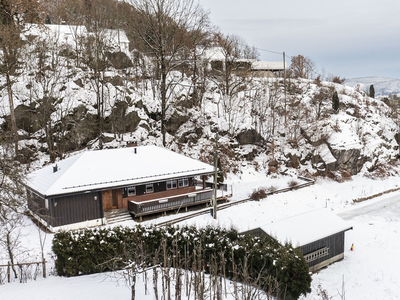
131,191
171,184
183,182
46,203
149,188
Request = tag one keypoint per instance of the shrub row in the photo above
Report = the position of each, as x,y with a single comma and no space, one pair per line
100,250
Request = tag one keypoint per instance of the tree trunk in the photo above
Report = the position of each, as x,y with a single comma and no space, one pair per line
163,90
14,130
10,254
133,287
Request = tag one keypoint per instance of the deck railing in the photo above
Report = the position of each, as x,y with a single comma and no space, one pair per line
169,203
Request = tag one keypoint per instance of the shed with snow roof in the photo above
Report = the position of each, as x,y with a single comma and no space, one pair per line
268,68
320,234
78,191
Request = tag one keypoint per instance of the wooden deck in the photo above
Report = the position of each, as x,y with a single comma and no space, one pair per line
138,209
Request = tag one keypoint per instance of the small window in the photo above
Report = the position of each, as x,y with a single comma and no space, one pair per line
131,191
46,203
171,184
149,188
183,182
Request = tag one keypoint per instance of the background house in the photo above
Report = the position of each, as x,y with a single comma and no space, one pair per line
72,35
320,234
268,68
78,191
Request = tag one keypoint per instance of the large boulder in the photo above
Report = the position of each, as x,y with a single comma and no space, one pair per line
249,137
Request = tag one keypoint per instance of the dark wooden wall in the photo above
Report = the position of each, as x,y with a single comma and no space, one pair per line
75,208
335,243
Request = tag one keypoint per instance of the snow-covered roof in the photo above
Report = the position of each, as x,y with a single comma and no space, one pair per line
116,35
214,54
102,169
61,33
306,228
267,65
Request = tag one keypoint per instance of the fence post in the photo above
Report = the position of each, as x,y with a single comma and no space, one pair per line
44,267
9,272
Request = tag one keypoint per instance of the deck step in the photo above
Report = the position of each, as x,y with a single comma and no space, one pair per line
116,216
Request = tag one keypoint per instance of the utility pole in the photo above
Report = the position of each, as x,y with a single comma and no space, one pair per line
215,175
284,80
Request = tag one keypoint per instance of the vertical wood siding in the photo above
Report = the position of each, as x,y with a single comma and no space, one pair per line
335,243
74,209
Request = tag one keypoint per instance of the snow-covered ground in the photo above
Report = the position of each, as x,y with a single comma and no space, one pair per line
371,271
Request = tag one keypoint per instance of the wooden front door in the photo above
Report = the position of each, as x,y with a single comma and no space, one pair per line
112,199
107,200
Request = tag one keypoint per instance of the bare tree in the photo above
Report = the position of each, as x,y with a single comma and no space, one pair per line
322,96
301,67
11,202
167,29
231,76
13,15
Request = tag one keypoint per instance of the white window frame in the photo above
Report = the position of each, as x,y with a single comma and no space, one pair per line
183,182
171,184
130,193
147,188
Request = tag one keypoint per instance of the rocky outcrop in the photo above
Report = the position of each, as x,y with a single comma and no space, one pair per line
249,137
349,159
330,159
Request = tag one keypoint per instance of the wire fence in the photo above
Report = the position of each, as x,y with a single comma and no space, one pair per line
22,271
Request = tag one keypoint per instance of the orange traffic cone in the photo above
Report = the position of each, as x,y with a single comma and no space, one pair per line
352,247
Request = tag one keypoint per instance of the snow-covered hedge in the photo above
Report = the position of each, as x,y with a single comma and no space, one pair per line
239,257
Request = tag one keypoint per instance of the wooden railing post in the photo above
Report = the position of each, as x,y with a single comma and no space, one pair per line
44,267
9,272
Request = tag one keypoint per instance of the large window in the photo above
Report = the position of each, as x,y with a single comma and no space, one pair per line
149,188
171,184
131,191
183,182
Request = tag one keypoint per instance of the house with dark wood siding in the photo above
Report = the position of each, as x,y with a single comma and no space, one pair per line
320,234
78,191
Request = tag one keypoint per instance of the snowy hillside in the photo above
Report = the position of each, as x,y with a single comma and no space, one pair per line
383,86
65,100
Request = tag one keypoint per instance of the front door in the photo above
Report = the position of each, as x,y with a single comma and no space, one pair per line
115,199
112,199
108,200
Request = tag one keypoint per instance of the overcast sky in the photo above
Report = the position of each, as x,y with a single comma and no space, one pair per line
347,38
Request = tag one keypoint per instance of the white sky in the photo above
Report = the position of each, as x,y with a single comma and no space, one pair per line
347,38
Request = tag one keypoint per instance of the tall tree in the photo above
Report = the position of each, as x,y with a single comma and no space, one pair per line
13,16
167,29
371,91
230,75
11,202
335,102
301,67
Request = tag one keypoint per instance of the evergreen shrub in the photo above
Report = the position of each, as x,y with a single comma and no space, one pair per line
107,249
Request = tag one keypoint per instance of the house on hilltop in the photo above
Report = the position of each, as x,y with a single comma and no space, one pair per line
215,58
320,234
78,191
71,35
268,68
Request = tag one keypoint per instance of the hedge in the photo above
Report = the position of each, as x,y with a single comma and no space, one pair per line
99,250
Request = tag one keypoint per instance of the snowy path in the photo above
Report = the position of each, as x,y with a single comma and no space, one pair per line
388,205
